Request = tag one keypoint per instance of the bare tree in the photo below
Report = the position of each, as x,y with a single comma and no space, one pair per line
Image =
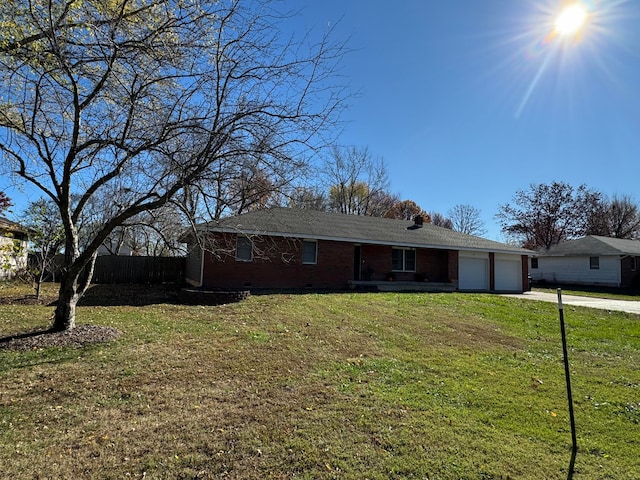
149,98
154,233
312,198
440,220
407,210
545,215
358,182
381,202
618,218
46,236
253,189
466,219
238,185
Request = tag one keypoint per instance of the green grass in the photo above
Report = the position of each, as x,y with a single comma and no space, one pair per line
610,293
313,386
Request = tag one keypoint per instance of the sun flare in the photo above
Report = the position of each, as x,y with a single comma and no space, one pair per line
571,20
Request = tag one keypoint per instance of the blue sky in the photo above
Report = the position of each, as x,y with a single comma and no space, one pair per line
467,103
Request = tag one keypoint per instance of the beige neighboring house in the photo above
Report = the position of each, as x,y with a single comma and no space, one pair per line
13,248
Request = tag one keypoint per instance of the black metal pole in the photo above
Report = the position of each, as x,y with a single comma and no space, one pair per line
574,441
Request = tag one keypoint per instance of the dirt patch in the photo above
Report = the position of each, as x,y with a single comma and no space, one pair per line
77,337
480,335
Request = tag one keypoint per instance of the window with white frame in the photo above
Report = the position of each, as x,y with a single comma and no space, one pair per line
403,260
309,252
534,262
244,249
594,263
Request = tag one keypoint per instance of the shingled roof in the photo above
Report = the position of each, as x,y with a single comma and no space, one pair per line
593,245
7,225
302,223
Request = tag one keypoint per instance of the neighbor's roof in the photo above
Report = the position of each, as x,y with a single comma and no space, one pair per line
7,225
302,223
592,246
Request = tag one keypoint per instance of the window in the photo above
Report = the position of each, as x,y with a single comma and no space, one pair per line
634,264
534,263
309,251
594,263
244,249
403,260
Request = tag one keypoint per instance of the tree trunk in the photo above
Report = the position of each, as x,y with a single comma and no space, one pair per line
65,314
73,285
41,272
38,286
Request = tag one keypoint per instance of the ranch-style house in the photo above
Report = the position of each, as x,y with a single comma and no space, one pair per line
285,248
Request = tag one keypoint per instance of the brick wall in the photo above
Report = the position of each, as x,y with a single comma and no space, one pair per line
277,263
434,264
492,271
431,264
376,262
525,273
453,265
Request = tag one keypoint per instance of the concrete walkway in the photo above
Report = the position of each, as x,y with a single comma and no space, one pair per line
591,302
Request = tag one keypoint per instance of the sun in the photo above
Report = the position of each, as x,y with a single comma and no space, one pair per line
571,20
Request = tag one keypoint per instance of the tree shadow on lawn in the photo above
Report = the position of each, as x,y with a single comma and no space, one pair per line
106,295
81,335
114,295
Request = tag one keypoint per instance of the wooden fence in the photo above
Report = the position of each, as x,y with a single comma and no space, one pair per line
125,269
121,269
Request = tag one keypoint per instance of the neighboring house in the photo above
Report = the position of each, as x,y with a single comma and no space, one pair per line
294,248
591,260
13,248
110,247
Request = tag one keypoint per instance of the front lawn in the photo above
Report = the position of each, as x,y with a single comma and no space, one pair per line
323,386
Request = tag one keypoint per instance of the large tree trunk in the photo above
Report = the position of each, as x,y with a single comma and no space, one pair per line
73,285
65,314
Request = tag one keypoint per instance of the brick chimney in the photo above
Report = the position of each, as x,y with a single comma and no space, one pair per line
418,220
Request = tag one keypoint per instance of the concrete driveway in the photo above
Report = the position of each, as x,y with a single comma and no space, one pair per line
591,302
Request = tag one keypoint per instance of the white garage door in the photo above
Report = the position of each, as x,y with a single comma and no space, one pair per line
473,271
508,273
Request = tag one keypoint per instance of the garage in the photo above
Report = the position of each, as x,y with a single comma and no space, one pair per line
473,271
508,273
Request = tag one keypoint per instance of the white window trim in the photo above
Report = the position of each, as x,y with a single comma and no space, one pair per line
315,242
404,259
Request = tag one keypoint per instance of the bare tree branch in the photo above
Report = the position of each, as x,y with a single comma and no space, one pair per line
466,219
156,100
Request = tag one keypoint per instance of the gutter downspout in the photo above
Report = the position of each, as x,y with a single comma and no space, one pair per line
202,265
